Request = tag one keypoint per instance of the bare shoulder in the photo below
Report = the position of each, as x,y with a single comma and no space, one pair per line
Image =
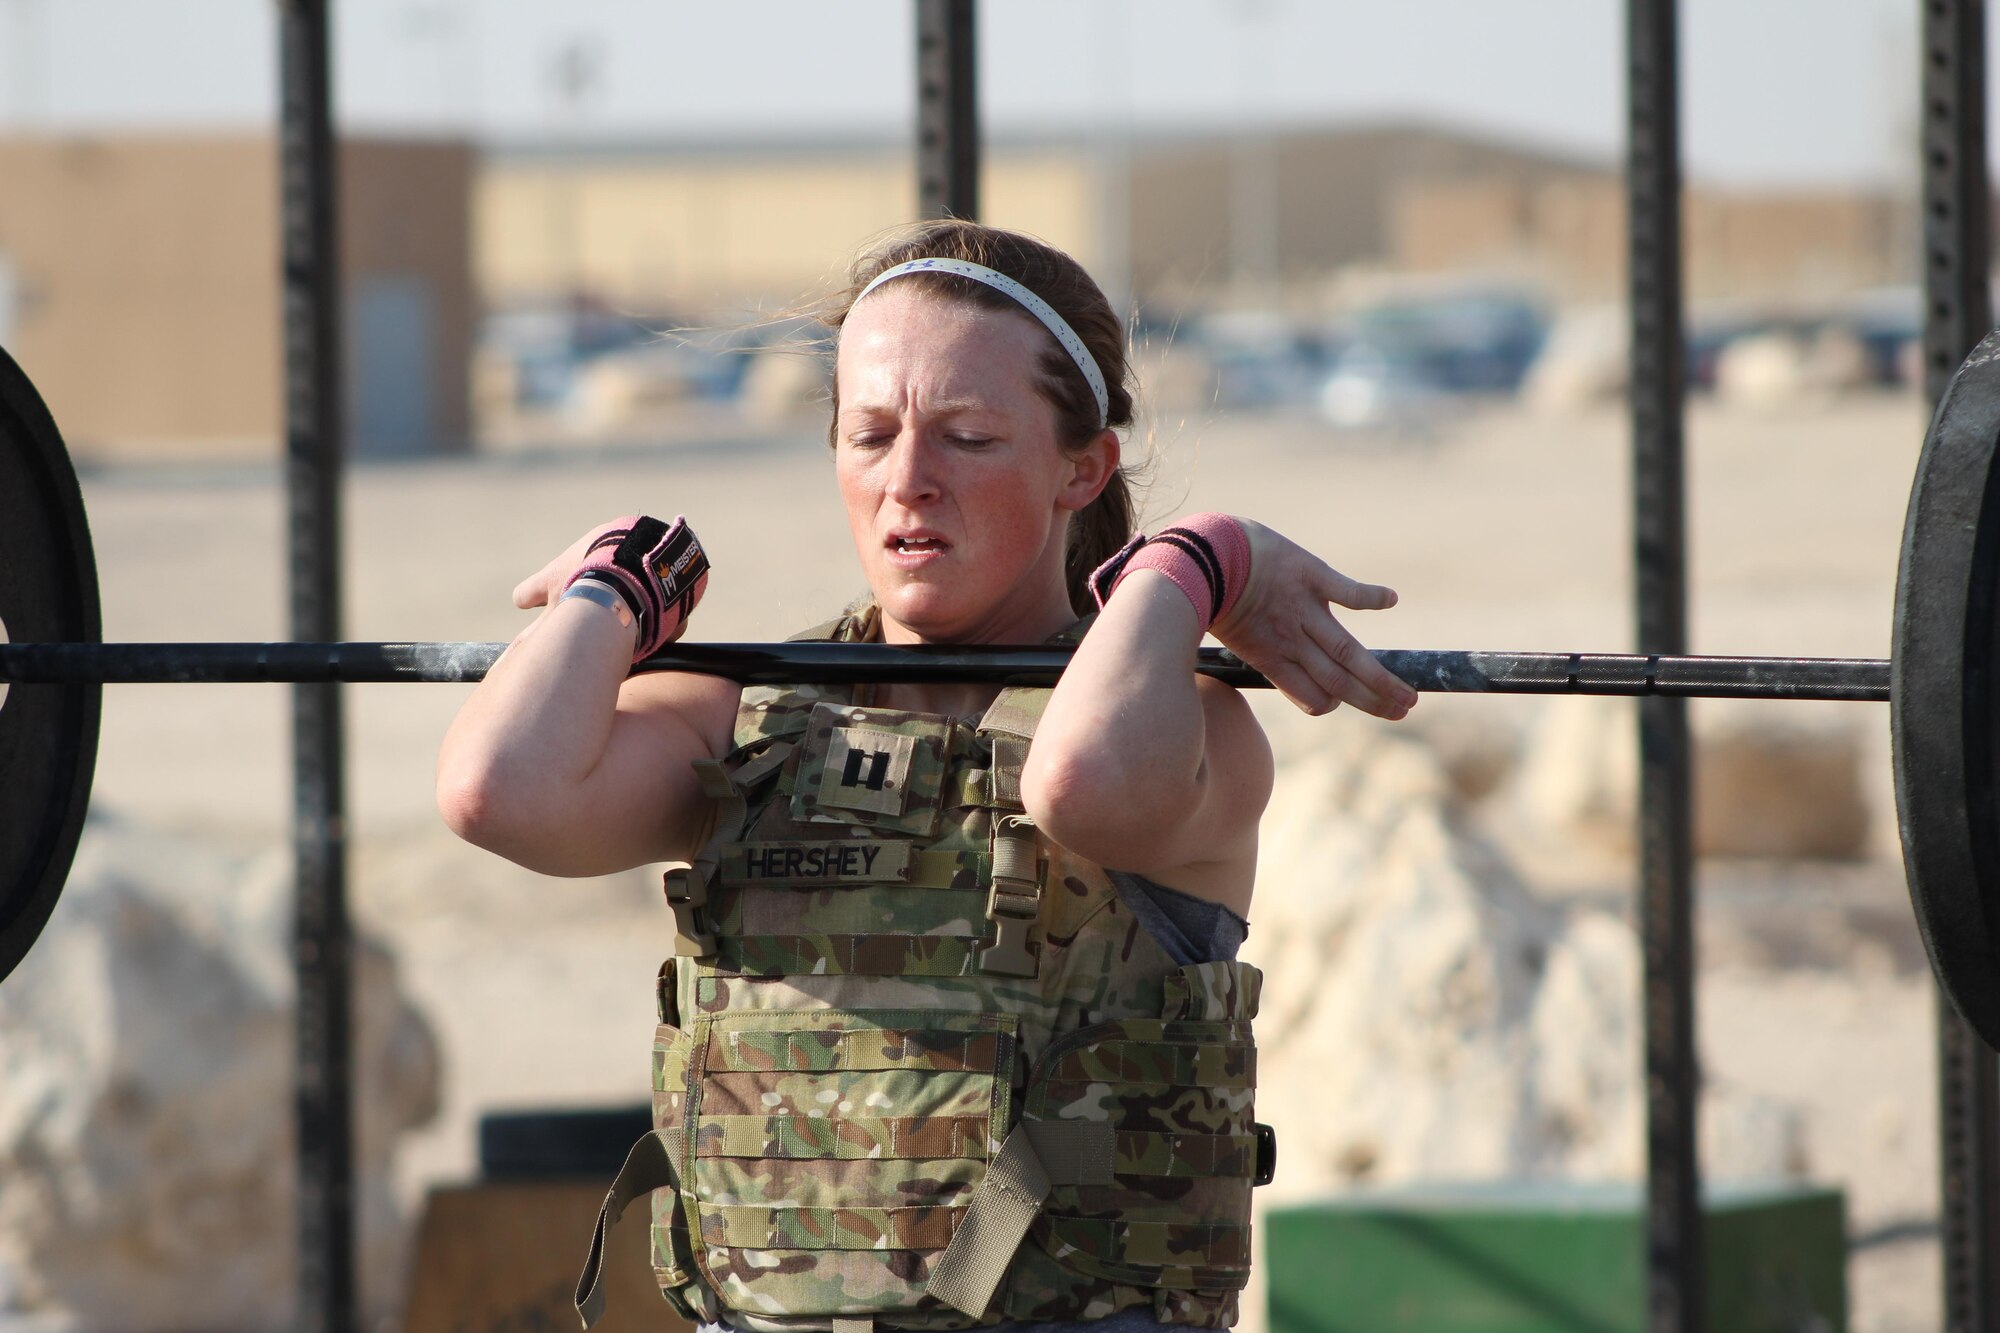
1238,752
1237,786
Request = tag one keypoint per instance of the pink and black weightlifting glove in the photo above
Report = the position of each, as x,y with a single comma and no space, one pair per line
1206,555
658,568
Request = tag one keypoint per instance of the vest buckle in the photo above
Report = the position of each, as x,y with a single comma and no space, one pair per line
1009,954
687,896
1267,1154
1013,899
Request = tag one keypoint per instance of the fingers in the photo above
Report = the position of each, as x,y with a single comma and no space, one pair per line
1334,586
537,589
1301,687
1314,676
1372,687
1356,676
533,591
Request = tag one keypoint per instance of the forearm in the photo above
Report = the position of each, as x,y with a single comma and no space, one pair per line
1118,765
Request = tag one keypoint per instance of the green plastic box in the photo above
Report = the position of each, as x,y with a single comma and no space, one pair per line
1536,1257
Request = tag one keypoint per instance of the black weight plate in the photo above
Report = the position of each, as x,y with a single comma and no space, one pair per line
1943,708
48,733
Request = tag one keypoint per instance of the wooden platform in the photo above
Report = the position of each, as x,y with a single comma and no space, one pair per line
503,1258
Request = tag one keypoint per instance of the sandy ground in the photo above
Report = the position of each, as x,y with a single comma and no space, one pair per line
1509,531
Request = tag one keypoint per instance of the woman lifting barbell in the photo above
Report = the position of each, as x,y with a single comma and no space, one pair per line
954,1032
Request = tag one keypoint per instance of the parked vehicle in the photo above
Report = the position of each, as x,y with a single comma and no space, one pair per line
1416,355
535,352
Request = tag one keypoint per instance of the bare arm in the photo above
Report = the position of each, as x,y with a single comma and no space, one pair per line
562,764
1141,765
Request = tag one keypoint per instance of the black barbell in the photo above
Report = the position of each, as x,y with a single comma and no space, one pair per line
1941,681
1440,670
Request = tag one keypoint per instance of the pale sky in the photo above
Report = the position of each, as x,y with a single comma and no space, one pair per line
1773,91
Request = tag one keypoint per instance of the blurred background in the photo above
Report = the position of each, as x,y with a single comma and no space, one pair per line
1373,261
1375,218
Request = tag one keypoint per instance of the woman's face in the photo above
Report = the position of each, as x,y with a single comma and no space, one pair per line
957,492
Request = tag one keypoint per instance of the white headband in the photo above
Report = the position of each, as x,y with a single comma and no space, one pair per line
1030,302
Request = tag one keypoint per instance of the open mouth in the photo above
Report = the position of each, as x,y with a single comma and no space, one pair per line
916,545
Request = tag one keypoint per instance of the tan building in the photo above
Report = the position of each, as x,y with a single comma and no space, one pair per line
1568,234
702,230
140,289
1181,221
1276,217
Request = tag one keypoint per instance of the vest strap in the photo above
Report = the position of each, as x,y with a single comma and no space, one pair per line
651,1165
754,771
687,897
1004,778
996,1220
1017,710
1014,898
1036,1155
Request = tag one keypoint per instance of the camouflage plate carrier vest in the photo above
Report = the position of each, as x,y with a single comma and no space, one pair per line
919,1067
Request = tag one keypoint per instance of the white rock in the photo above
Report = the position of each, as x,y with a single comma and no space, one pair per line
146,1096
1407,991
1478,745
1426,1016
1579,779
1586,1039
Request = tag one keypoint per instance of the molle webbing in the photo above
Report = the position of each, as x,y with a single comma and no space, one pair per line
754,1226
875,1138
860,955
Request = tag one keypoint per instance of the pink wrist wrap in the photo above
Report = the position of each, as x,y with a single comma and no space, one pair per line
658,568
1206,555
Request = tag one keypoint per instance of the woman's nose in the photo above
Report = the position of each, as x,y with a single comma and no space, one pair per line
912,476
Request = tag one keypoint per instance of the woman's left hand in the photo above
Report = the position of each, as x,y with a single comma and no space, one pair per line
1282,626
